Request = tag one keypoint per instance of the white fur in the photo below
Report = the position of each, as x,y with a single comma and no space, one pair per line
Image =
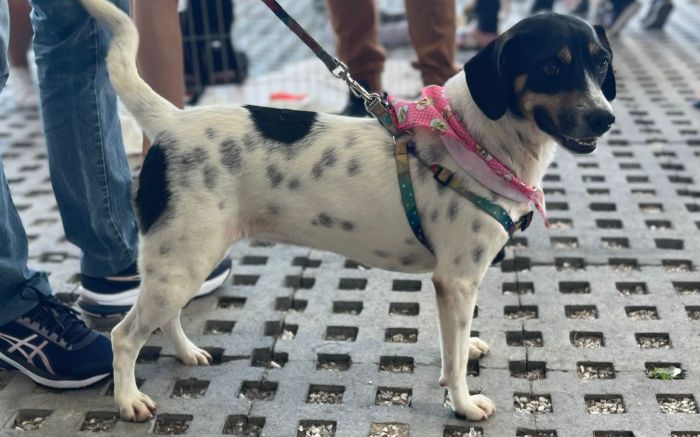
203,222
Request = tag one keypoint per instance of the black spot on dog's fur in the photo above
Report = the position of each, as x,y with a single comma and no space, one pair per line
274,176
324,220
193,158
153,194
410,241
272,209
282,125
381,253
434,215
231,155
250,142
354,167
477,253
293,184
408,260
210,176
457,261
210,132
453,209
348,226
165,249
222,205
476,226
329,222
351,140
328,159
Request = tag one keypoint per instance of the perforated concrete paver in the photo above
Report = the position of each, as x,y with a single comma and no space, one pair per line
597,311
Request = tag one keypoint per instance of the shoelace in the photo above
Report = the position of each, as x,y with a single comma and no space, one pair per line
56,317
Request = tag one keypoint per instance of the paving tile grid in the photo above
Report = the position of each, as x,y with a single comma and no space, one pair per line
594,323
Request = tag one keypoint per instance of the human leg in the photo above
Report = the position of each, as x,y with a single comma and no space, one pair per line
22,85
89,172
355,25
432,26
160,50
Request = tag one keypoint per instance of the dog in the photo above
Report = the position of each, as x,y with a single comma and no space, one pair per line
218,174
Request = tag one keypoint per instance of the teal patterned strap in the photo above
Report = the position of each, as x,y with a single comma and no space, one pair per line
408,199
403,148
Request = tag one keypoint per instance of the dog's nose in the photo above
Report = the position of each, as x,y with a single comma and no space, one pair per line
600,120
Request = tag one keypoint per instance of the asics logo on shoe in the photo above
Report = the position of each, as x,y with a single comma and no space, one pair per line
131,278
31,351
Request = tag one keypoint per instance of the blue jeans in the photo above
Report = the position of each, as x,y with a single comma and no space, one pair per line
90,175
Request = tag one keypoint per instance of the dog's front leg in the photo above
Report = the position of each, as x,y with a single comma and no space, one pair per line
456,298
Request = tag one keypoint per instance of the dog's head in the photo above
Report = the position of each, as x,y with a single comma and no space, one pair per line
554,70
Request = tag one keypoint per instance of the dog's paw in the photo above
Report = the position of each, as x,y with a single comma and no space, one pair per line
194,356
474,408
136,408
477,348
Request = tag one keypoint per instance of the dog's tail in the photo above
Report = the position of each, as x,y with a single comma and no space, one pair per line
150,110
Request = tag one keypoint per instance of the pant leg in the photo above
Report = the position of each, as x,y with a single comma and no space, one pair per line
89,171
432,26
14,274
356,28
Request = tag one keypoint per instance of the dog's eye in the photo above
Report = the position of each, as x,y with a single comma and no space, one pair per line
603,64
551,69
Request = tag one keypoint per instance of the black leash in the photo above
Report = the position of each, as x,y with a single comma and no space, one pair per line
375,104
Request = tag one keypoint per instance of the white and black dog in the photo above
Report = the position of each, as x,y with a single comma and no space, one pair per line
219,174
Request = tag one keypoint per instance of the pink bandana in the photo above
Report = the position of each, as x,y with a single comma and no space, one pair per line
433,111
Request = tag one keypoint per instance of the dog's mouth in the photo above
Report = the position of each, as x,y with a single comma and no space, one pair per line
579,146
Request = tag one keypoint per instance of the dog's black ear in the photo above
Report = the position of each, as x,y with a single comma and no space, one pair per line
609,88
489,89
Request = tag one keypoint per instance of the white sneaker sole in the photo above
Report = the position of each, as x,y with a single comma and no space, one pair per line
64,384
128,297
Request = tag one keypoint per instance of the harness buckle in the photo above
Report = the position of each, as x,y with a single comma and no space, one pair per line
524,221
441,174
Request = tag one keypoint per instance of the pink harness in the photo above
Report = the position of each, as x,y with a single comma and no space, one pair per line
433,111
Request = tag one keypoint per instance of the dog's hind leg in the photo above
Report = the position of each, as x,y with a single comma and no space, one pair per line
170,279
185,350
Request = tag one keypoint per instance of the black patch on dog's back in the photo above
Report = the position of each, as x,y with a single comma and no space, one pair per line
153,193
282,125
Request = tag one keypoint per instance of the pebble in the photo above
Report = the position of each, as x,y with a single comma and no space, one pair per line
532,375
403,338
471,432
287,335
525,404
388,430
587,342
396,368
521,315
324,397
316,430
590,372
605,406
568,267
628,291
30,424
243,428
676,406
643,315
389,397
581,314
653,343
